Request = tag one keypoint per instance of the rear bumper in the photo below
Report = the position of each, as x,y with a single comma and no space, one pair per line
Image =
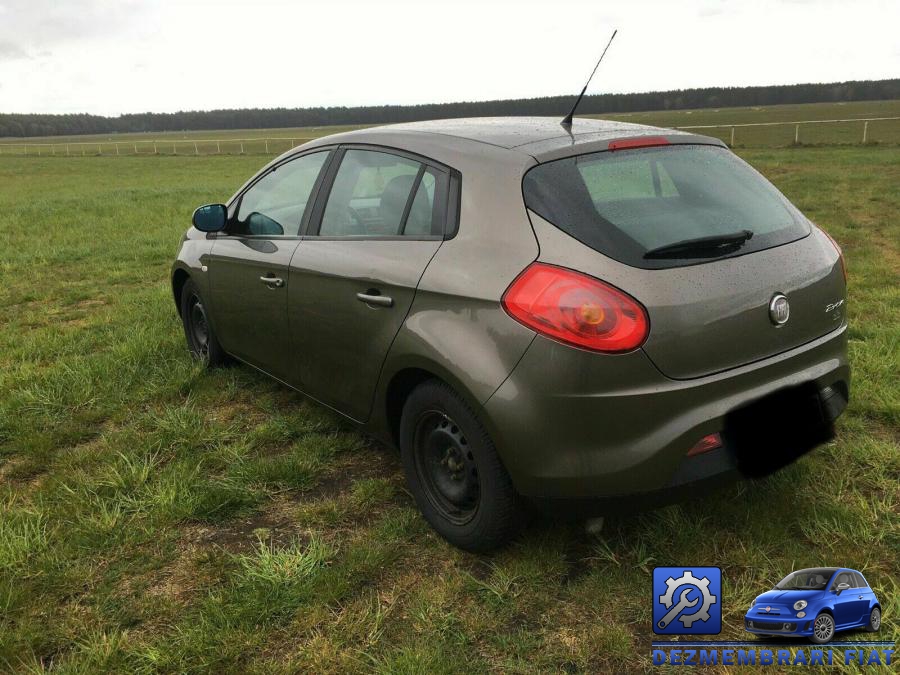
576,425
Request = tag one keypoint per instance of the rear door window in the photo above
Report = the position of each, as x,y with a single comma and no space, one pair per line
380,194
629,203
425,212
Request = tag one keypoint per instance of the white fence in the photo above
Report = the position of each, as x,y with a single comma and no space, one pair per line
763,134
855,130
158,146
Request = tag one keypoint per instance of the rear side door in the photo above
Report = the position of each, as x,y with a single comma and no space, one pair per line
248,264
378,222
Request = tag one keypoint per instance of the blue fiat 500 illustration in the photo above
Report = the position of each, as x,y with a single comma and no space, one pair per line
815,603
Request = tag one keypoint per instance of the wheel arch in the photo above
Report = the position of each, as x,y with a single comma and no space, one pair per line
402,383
180,277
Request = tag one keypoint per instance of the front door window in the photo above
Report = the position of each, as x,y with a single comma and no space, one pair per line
276,203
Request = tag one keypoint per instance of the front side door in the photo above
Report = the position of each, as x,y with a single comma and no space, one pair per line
248,265
847,605
354,278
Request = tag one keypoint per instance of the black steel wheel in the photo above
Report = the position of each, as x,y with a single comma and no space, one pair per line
453,471
202,342
446,466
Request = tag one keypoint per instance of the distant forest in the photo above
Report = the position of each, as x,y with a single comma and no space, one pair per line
270,118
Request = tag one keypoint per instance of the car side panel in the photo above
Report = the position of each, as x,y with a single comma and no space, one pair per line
871,599
866,600
193,256
339,342
456,327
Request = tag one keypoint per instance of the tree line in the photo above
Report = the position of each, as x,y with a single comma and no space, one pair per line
21,125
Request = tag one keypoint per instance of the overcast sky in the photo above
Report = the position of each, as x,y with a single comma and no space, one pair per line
153,55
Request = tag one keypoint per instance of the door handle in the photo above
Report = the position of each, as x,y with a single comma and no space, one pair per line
272,282
375,298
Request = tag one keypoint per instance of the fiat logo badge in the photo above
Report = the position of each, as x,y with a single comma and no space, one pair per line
779,309
768,609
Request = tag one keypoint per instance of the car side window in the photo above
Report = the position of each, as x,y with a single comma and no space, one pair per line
424,216
377,194
842,578
276,203
860,582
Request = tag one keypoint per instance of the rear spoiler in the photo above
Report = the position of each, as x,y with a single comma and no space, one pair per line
601,142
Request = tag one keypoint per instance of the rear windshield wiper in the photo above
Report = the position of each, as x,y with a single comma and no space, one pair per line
701,247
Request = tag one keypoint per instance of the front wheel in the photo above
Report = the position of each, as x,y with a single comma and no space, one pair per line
874,620
201,340
454,472
823,629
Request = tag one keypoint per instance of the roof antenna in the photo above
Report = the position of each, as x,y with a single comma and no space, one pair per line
567,120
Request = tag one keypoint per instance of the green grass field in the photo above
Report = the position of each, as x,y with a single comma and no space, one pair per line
226,141
157,517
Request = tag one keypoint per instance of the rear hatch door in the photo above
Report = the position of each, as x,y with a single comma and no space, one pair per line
703,241
712,317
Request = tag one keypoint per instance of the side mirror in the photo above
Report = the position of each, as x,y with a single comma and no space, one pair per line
842,587
210,218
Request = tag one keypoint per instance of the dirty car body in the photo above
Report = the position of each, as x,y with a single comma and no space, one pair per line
624,311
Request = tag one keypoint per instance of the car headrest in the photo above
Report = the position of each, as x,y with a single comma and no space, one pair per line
393,201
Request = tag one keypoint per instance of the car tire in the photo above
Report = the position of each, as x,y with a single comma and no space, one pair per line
453,470
823,629
874,624
201,339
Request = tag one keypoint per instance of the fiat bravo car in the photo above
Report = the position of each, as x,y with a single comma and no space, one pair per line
533,314
815,603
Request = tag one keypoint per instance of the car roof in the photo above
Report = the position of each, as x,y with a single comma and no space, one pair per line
543,138
517,132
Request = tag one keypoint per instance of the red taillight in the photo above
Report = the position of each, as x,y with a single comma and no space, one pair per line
705,444
639,142
576,309
840,253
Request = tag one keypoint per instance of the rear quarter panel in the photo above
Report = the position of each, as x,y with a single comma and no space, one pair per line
456,327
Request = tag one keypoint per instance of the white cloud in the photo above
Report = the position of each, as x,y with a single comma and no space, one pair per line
112,57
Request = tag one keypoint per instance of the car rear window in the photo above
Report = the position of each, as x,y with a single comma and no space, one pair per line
628,203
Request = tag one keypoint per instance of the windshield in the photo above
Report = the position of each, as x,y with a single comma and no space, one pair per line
663,206
806,580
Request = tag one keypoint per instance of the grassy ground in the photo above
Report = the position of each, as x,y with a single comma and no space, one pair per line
219,141
155,517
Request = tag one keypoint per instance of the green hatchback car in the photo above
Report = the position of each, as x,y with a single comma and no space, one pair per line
602,315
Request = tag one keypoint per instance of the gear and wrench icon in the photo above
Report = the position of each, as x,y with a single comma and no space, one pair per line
701,584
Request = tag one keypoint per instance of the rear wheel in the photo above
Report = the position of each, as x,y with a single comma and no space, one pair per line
454,472
874,620
201,339
823,629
